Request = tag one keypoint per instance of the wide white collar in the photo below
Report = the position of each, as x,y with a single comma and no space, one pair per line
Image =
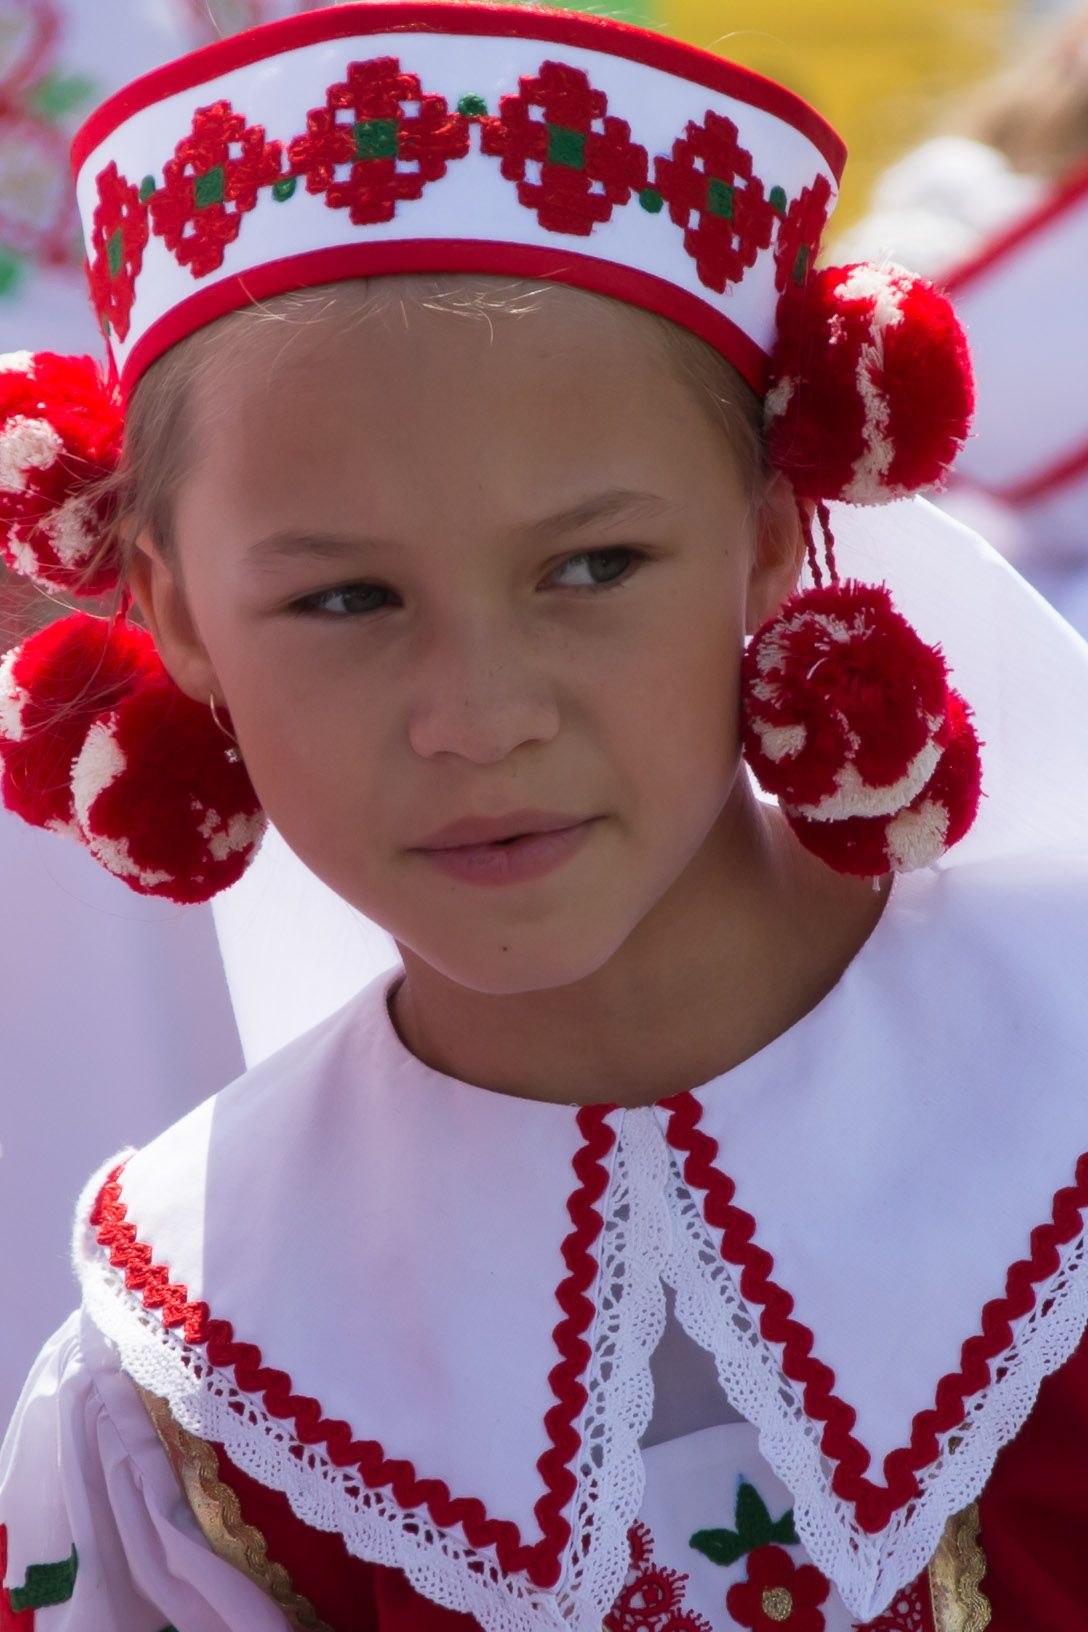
424,1310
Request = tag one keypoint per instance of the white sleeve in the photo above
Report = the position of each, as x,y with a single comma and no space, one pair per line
97,1533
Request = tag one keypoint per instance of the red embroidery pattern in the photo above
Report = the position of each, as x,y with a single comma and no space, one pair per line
542,1561
652,1598
215,176
777,1593
365,130
29,29
380,140
874,1504
584,157
799,233
119,235
709,176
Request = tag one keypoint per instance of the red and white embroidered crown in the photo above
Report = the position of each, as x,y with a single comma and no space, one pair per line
389,137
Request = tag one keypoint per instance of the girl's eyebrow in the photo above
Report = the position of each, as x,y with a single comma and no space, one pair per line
615,503
612,505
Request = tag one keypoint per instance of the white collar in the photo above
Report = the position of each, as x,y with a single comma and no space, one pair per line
471,1283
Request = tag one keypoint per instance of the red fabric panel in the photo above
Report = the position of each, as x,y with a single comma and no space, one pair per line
349,1596
1034,1513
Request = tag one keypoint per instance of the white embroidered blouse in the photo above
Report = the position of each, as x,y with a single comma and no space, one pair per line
426,1312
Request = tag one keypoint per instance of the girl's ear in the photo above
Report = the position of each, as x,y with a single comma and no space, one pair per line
778,552
160,595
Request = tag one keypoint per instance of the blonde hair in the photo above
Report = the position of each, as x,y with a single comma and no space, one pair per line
158,441
1036,111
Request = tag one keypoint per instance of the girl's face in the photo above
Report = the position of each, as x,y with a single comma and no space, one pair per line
440,568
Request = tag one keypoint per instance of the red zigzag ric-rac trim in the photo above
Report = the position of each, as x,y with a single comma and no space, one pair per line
542,1561
874,1504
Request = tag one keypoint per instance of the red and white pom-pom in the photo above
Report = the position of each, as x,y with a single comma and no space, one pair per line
60,434
52,689
871,391
162,800
845,706
936,819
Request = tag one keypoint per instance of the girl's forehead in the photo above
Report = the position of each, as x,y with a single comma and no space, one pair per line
402,406
431,356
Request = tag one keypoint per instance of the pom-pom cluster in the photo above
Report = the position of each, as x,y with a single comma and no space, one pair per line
97,741
850,722
871,390
60,436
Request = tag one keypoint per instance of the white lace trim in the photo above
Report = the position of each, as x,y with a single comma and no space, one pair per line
868,1570
440,1563
636,1245
654,1231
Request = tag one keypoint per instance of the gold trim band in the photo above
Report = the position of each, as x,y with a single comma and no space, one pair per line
955,1577
218,1512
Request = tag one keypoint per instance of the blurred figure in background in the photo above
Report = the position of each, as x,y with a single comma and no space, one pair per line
996,210
76,944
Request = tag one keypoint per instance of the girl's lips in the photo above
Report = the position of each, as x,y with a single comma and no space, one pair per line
514,861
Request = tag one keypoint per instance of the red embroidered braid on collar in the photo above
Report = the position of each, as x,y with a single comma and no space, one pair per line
874,1504
540,1562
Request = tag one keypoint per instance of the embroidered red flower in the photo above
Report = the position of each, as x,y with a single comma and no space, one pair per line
367,152
712,194
572,160
799,232
778,1595
119,234
215,176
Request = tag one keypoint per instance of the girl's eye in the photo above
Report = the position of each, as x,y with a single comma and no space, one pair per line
599,568
345,601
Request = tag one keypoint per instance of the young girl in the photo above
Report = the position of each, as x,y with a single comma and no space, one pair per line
676,1238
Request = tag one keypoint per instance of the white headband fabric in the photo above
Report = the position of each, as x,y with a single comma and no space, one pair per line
377,138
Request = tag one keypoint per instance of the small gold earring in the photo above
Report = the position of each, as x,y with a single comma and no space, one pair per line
233,755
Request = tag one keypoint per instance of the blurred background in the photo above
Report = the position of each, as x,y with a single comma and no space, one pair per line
967,124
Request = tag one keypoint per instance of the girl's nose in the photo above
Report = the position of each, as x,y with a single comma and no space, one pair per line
479,694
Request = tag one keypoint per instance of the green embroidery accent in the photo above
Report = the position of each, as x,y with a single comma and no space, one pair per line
800,265
473,107
754,1528
210,188
651,200
566,147
776,198
46,1584
284,188
719,198
58,94
11,272
115,253
147,187
376,138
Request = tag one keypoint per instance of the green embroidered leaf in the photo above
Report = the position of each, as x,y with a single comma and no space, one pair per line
754,1528
753,1519
720,1546
784,1531
46,1584
58,94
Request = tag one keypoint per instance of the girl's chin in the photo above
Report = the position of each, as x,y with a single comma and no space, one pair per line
511,970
